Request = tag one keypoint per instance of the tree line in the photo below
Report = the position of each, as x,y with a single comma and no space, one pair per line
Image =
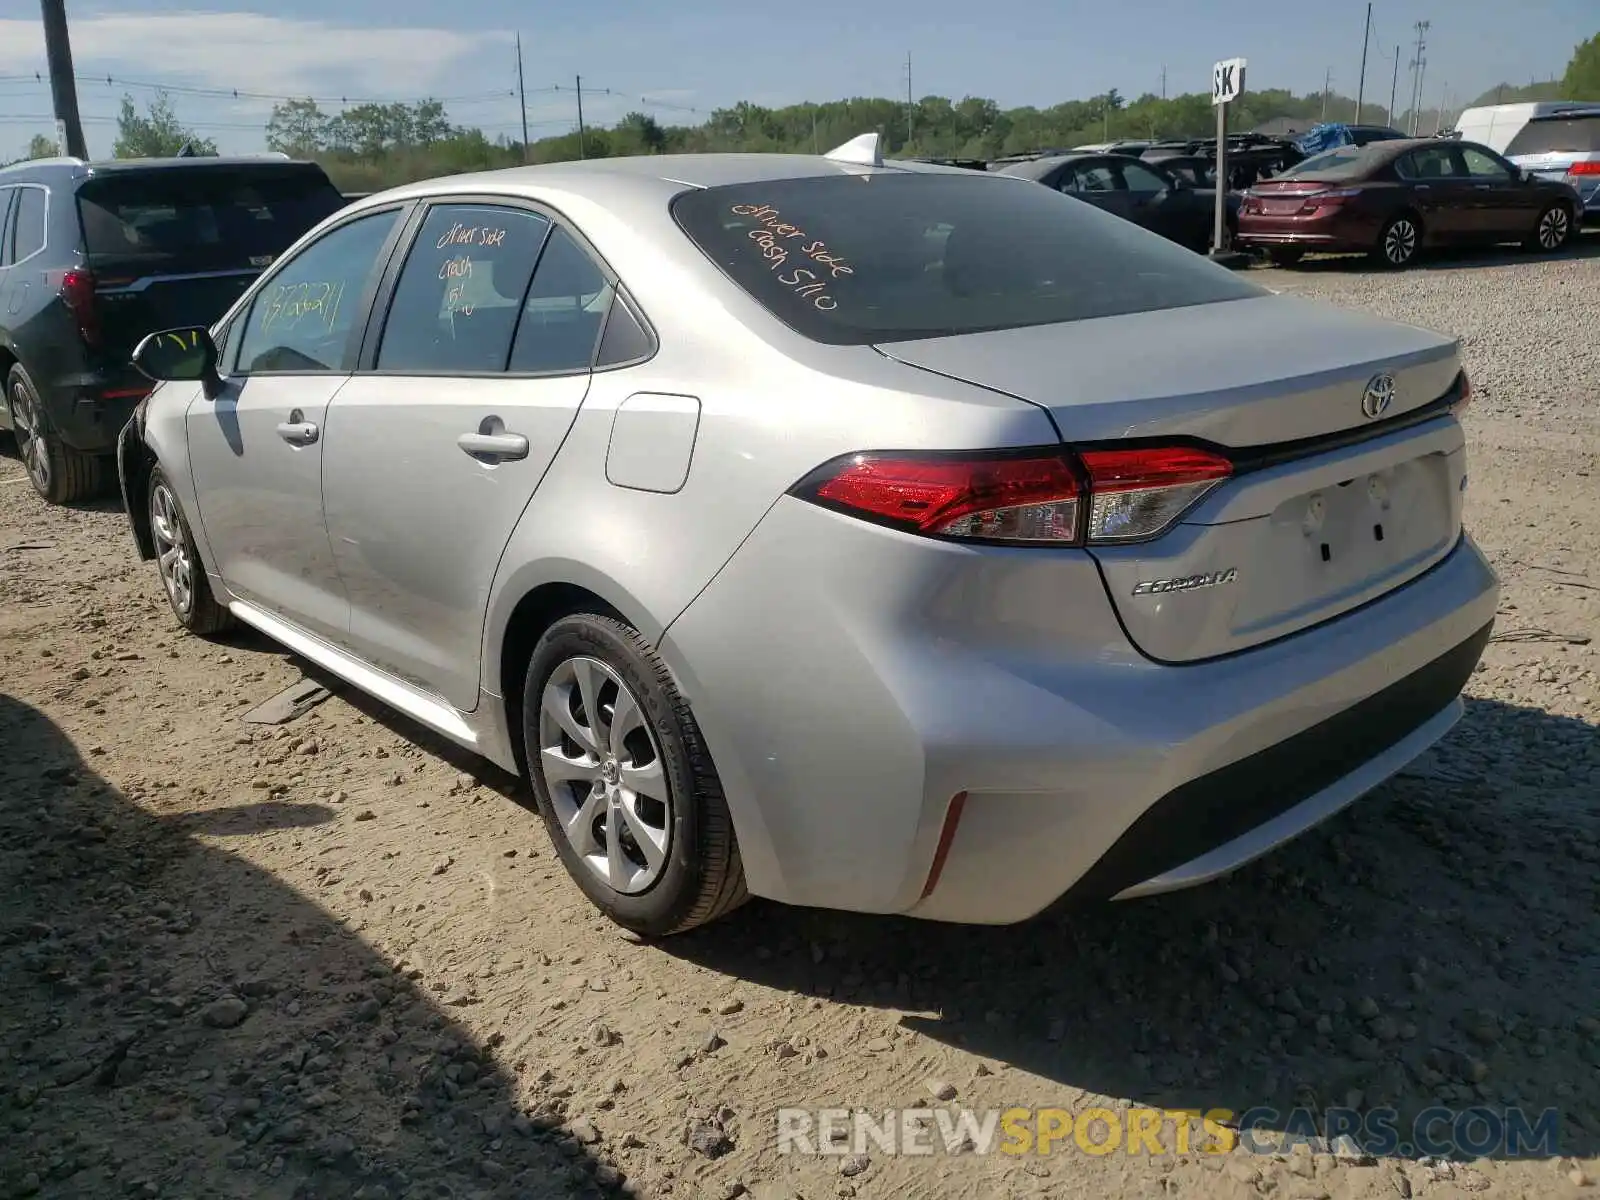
367,147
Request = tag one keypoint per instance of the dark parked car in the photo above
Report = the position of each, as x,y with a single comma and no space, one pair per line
93,256
1251,156
1142,192
1391,199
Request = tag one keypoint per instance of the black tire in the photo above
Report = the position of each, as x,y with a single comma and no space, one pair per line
58,473
1285,256
1398,242
700,876
193,604
1553,230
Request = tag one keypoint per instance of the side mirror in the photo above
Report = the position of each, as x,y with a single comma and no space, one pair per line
180,355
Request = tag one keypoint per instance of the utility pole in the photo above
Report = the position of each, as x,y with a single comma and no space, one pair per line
911,106
1438,114
1394,88
1419,64
1327,82
582,136
522,100
1163,82
63,85
1361,84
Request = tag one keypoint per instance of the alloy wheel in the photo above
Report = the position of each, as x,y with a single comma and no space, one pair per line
603,768
30,437
1400,242
173,559
1553,227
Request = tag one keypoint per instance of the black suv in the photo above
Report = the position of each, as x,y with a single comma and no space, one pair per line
95,255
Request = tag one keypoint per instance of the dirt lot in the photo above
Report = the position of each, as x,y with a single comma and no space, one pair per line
338,959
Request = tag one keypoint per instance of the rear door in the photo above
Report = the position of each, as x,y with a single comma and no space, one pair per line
177,245
434,448
1441,192
1160,206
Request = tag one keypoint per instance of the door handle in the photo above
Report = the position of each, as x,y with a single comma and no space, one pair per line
297,433
500,446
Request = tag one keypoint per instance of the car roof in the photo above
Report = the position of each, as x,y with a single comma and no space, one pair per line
78,168
652,178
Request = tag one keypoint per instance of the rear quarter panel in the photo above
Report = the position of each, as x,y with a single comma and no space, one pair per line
773,406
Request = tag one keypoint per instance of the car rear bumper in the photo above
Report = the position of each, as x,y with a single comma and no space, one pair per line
88,411
851,682
1335,233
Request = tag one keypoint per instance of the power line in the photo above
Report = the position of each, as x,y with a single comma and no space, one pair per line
178,89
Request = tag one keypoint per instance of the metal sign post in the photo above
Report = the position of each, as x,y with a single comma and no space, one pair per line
1227,85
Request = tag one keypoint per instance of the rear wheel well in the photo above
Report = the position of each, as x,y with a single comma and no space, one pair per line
535,613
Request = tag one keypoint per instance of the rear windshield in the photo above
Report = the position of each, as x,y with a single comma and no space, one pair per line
209,218
852,259
1572,135
1344,160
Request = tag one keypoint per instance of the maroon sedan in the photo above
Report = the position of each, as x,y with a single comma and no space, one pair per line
1392,198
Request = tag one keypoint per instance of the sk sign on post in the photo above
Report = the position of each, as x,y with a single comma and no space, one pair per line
1227,80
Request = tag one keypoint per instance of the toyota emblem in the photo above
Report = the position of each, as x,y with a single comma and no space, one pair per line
1375,401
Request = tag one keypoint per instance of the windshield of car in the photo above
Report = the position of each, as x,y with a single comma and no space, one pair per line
1342,160
208,218
852,259
1573,135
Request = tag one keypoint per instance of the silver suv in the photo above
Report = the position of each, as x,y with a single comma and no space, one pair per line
1563,147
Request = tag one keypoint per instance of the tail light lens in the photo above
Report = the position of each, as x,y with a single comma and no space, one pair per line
1584,168
76,290
1136,494
1036,497
1332,198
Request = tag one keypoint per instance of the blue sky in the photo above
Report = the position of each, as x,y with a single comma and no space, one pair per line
708,53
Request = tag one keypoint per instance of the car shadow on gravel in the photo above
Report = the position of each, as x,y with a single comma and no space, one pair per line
1436,944
175,1021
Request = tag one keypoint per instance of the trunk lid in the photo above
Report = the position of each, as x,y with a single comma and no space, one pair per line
1328,508
176,245
1280,197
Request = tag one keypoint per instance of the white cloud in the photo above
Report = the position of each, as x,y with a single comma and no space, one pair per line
255,52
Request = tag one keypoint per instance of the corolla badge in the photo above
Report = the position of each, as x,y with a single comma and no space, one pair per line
1375,401
1185,583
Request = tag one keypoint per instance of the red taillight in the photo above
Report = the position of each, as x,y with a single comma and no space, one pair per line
1334,198
1039,497
1584,168
77,293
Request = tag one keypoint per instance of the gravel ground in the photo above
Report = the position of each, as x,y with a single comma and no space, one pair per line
338,959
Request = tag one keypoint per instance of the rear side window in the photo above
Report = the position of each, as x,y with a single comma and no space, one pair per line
456,304
7,196
206,218
566,307
1559,135
27,223
851,259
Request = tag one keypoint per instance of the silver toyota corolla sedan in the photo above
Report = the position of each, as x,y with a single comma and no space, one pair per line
866,535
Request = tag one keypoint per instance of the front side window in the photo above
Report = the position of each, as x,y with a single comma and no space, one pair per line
853,259
1483,165
301,319
1142,179
456,305
27,222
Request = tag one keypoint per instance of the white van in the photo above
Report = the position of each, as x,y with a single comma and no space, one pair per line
1494,125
